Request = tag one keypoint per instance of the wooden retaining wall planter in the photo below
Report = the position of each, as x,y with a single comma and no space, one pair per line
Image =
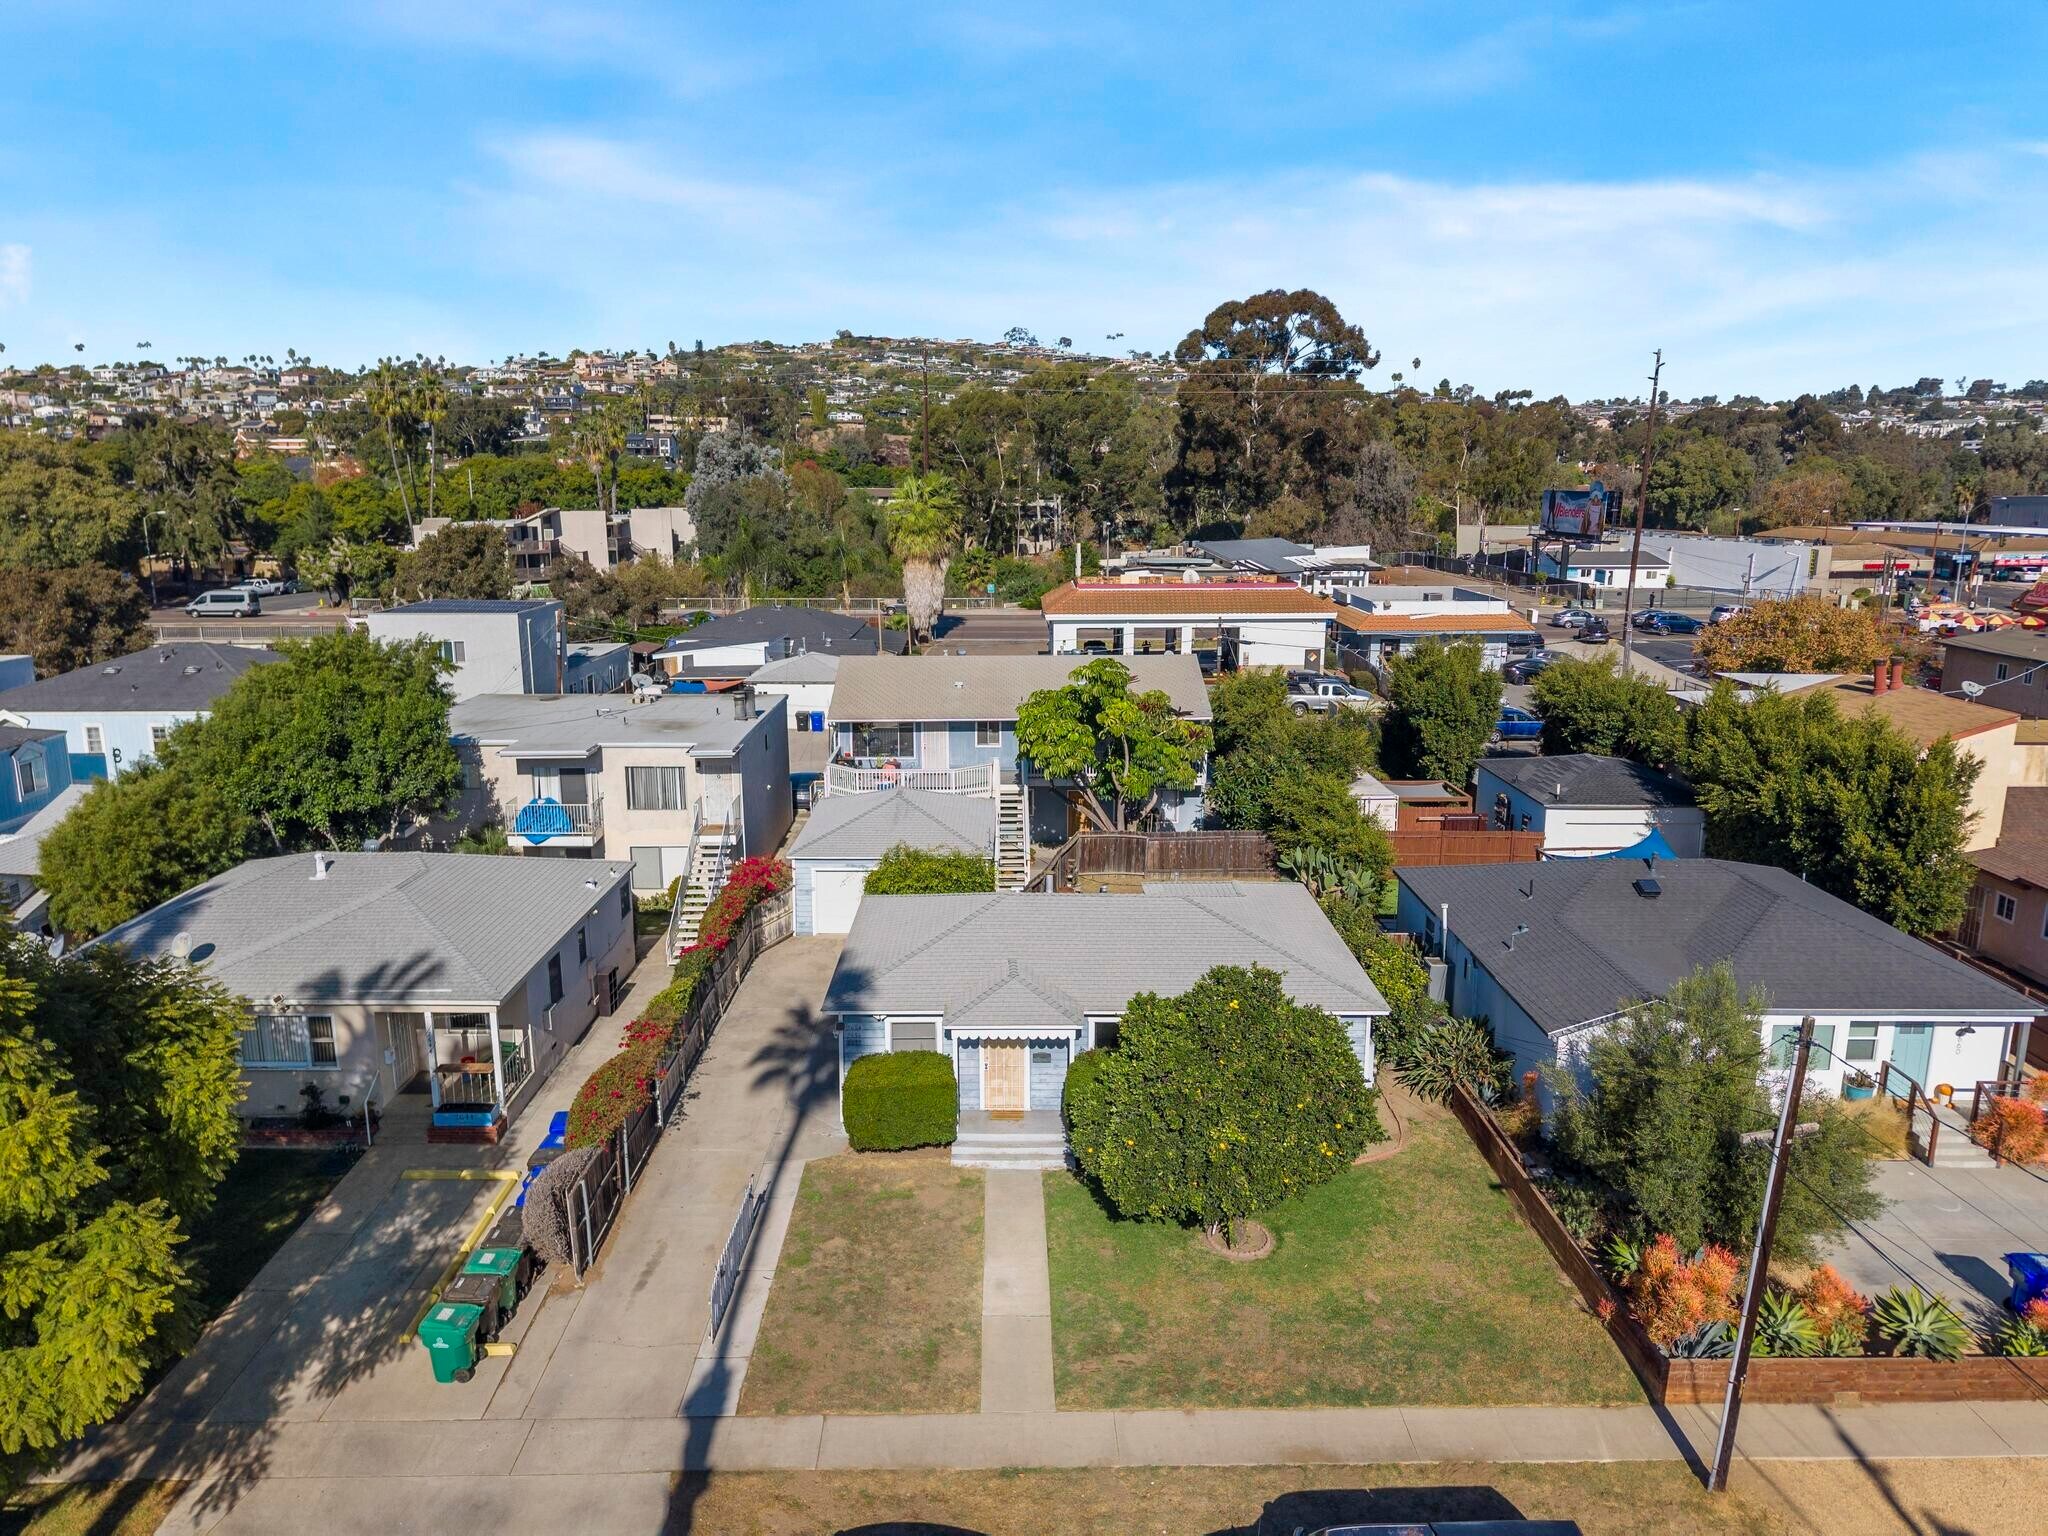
1858,1379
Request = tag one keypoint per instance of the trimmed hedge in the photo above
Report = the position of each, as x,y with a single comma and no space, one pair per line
901,1099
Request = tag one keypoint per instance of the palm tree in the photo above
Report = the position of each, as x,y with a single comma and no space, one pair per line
431,404
924,531
386,394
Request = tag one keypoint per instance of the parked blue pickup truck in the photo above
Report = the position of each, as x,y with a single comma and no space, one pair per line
1517,724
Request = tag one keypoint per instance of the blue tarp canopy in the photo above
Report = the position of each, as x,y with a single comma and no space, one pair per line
1651,847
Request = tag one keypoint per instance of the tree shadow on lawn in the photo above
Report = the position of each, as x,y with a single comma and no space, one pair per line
1315,1508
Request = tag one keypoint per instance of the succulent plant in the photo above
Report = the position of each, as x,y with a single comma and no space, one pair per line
1709,1341
1925,1327
1784,1329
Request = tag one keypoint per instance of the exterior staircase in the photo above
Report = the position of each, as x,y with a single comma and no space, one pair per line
1953,1147
1013,839
710,859
1030,1142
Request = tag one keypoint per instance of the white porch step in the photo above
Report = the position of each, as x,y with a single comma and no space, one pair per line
1027,1150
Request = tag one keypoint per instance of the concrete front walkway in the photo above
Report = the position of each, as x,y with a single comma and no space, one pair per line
1016,1295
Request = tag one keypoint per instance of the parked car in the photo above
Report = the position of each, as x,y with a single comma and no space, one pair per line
1322,692
229,603
1595,632
1679,624
1726,611
265,586
1570,618
1646,618
1517,724
1526,669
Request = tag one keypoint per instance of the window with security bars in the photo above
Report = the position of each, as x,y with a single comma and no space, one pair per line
290,1040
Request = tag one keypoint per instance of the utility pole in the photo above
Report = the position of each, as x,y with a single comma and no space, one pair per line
925,424
1766,1228
1635,554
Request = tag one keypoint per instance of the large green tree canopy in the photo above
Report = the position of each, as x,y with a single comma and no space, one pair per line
1119,751
118,1086
1443,704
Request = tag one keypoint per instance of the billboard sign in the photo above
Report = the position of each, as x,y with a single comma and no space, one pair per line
1580,514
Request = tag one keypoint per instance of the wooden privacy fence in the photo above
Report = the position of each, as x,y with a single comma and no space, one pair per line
595,1198
1166,855
1441,845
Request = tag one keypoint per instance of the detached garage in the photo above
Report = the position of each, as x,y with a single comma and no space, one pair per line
847,835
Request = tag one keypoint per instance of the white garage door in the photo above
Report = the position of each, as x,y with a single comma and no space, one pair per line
835,897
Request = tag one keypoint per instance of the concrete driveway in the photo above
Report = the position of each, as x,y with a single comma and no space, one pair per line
1947,1230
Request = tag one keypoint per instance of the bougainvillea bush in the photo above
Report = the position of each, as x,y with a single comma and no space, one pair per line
619,1088
752,881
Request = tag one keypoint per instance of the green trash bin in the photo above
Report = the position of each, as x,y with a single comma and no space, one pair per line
449,1332
507,1264
488,1294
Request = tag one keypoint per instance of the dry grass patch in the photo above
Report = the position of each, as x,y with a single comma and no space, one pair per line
1884,1118
88,1509
1981,1498
876,1306
1405,1281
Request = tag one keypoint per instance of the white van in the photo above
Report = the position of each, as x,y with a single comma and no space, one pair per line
231,603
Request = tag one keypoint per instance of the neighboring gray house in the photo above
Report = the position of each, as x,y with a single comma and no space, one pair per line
950,723
1011,987
116,714
1546,953
804,682
847,835
1586,805
728,649
20,863
596,666
510,646
368,970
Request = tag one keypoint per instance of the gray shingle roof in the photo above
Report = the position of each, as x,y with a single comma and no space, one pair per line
19,854
967,956
12,736
1277,556
410,928
161,679
868,826
806,629
475,605
811,667
2025,644
1586,779
990,687
1595,945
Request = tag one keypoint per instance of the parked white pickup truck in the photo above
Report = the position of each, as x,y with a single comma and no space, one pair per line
1321,692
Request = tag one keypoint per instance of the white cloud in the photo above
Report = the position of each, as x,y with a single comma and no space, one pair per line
1770,283
14,274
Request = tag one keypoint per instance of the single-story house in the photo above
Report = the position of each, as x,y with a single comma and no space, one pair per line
21,862
804,683
1377,636
368,970
950,723
1602,567
118,713
1012,987
847,835
1585,804
1546,953
724,651
1245,622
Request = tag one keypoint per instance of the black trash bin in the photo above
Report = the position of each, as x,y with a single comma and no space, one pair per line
483,1291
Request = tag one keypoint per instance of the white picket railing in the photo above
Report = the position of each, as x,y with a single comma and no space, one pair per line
974,779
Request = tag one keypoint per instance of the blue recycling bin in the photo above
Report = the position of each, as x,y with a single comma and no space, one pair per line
2029,1273
551,1146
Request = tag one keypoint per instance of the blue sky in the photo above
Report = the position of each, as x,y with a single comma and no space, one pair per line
1782,197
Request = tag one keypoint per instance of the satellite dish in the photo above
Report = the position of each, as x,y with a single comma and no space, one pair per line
1972,690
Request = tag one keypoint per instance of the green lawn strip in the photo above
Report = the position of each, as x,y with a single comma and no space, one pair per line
1409,1280
264,1197
88,1509
876,1306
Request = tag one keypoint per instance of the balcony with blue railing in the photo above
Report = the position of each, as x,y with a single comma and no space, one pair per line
544,820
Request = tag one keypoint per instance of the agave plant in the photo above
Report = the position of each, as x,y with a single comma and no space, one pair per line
1623,1257
1922,1326
2017,1336
1783,1328
1452,1051
1709,1341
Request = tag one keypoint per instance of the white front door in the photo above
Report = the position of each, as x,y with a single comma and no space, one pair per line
835,898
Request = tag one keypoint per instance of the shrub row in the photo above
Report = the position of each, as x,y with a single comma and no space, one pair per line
900,1099
751,882
621,1087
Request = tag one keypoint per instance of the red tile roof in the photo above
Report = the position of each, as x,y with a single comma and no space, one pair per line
1433,623
1191,599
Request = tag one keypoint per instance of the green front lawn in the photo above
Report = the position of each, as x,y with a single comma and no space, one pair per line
265,1196
1409,1280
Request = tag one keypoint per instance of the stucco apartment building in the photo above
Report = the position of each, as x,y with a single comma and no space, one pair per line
2010,666
2008,918
577,777
513,645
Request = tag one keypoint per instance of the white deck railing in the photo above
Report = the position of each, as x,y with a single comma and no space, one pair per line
974,779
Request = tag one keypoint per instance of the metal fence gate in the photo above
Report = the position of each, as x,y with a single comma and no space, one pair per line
726,1278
